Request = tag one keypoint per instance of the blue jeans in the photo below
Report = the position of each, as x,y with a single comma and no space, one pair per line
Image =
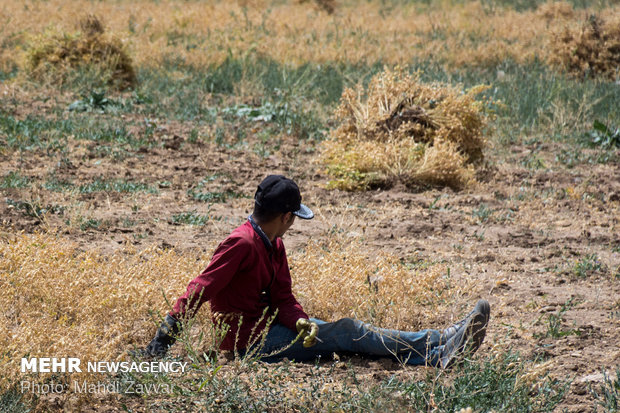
353,336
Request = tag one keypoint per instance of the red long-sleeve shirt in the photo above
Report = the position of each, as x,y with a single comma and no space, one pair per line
241,269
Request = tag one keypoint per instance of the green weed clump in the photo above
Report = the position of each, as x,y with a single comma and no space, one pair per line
604,136
501,382
587,266
607,395
402,130
55,57
14,180
201,192
190,218
496,382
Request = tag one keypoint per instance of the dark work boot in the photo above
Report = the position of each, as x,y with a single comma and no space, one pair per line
467,336
482,307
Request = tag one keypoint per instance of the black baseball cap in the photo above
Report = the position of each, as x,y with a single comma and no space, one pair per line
279,194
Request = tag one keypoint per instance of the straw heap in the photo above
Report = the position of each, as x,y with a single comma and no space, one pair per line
405,131
592,49
53,57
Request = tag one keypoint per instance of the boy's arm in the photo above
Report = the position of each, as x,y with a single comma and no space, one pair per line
282,298
225,262
223,266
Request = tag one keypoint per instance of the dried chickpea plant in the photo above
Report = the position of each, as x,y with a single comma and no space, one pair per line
401,130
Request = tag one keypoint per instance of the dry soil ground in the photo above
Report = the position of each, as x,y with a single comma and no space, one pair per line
537,242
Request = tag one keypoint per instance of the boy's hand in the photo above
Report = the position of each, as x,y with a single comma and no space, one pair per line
164,338
309,331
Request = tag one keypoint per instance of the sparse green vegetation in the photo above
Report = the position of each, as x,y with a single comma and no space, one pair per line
607,394
554,322
604,136
489,383
483,213
200,193
33,133
576,156
486,385
53,183
587,266
191,218
93,101
12,400
115,133
34,208
90,223
14,180
118,185
121,139
287,115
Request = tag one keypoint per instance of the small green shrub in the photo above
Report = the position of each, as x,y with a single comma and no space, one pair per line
12,401
554,322
14,180
607,394
483,213
604,136
90,223
587,266
119,185
190,218
94,101
200,193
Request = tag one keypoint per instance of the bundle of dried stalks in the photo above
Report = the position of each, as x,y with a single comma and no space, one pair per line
556,10
592,49
328,6
405,131
53,56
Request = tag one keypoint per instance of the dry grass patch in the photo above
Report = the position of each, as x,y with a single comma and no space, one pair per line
335,277
592,49
53,56
402,130
204,33
59,301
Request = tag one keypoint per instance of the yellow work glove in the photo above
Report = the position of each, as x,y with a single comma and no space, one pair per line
308,331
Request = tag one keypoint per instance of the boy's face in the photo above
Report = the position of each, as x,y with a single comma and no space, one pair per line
286,221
